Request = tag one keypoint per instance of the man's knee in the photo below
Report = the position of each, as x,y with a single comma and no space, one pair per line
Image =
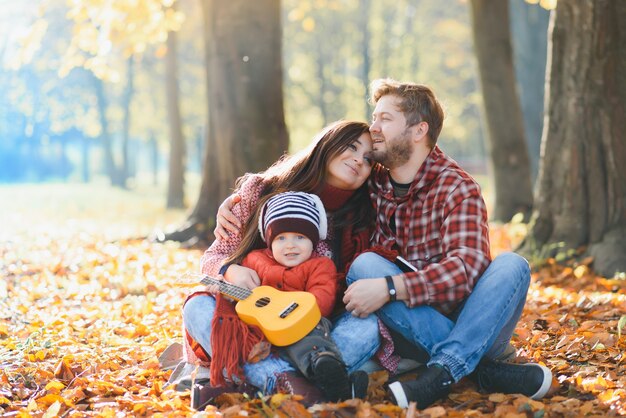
362,265
517,265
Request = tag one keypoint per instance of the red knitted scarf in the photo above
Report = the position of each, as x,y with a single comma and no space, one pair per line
332,197
231,342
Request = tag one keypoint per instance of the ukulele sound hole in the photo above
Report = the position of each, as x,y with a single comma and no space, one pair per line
262,302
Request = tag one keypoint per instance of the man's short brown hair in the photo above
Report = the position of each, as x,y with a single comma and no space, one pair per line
417,102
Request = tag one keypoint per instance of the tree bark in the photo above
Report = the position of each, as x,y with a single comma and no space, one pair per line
246,123
176,172
529,29
506,142
581,193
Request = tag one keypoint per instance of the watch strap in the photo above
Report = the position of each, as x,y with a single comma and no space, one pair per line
392,288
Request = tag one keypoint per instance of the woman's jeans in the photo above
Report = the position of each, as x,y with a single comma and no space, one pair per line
357,340
481,326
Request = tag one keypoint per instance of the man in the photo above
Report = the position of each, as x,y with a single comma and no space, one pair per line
456,306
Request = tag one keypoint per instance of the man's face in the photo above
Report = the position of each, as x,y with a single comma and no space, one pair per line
392,144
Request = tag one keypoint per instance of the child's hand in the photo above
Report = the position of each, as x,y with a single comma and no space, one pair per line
242,276
214,289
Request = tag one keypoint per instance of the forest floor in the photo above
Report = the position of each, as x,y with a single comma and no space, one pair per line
87,306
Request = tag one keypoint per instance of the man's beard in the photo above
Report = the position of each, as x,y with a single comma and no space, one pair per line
399,151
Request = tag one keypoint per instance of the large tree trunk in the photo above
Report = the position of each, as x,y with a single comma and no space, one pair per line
246,129
529,28
507,147
176,178
581,193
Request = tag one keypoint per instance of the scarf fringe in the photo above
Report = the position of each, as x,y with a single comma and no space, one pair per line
231,343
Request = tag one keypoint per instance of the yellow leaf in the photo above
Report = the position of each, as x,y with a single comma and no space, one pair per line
49,399
308,24
548,4
497,397
40,355
53,410
4,331
55,386
435,412
581,271
278,399
4,401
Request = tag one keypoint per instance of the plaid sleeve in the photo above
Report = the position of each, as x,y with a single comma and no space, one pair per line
464,253
214,256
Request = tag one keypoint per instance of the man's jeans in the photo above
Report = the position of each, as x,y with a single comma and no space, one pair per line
482,326
357,339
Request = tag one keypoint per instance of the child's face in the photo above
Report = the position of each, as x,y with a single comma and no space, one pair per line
291,248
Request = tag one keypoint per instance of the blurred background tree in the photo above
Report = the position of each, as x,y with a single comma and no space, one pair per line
92,90
107,68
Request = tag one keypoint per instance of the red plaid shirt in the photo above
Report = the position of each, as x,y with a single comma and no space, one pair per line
441,228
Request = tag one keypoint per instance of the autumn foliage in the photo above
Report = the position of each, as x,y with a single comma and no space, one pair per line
84,317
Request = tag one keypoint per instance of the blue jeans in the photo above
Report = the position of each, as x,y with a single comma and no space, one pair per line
357,339
481,327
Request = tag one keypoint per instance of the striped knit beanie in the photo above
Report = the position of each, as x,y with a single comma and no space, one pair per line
298,212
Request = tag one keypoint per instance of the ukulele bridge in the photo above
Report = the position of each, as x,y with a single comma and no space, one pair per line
289,309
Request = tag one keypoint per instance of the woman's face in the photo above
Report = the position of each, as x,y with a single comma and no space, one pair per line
350,169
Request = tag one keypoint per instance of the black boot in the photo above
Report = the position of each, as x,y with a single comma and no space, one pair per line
530,379
330,375
430,386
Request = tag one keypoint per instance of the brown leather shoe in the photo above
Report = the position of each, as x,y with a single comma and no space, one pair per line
295,384
203,395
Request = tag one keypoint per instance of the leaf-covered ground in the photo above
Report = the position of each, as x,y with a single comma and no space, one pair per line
85,312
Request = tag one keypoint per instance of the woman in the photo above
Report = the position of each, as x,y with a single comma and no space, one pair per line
335,167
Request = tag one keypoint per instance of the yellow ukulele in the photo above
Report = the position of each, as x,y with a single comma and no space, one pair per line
284,317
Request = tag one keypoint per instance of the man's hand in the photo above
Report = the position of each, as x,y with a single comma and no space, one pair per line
366,296
242,276
225,222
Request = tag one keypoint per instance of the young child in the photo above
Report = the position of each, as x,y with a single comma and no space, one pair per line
291,224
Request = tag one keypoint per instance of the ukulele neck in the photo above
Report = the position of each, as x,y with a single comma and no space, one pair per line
228,289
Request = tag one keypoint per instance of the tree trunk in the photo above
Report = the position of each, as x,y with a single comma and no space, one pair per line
154,158
581,193
85,167
529,28
321,63
126,105
105,136
246,128
365,9
176,178
507,147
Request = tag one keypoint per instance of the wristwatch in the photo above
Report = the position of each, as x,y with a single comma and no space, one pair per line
392,288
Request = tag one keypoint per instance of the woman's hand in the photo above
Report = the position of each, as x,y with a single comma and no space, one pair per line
242,276
226,222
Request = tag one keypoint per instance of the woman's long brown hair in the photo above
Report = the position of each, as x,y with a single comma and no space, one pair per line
306,171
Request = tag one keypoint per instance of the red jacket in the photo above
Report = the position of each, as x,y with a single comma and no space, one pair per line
317,275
